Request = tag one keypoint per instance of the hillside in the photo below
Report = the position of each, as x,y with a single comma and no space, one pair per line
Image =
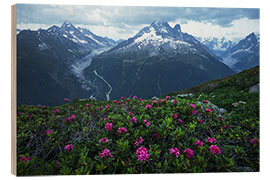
216,129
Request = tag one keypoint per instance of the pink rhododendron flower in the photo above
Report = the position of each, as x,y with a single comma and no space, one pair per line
155,102
72,116
141,99
194,112
119,102
193,105
100,108
105,152
189,153
104,140
130,113
168,97
134,97
211,140
133,120
174,115
180,120
157,135
114,101
175,151
67,119
208,110
199,143
142,154
56,111
107,106
254,141
108,126
87,105
69,147
174,101
139,141
66,99
122,129
39,105
24,159
163,100
215,149
147,123
206,101
148,106
122,97
200,121
48,132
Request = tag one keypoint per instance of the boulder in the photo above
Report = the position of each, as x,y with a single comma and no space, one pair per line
255,88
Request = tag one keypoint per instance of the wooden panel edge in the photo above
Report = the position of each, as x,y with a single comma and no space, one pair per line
13,90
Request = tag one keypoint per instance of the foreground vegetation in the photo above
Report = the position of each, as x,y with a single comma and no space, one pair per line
214,129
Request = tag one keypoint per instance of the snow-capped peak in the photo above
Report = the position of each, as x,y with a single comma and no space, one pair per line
159,37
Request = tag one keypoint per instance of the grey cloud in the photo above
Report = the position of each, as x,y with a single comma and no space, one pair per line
121,16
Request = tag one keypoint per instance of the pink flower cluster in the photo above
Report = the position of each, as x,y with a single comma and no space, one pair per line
174,115
107,106
69,147
108,126
168,97
130,113
194,111
23,159
142,154
208,110
175,151
104,140
180,120
215,149
133,120
135,97
254,141
147,123
206,101
122,129
69,118
174,101
105,152
39,105
66,99
211,140
148,106
193,106
56,111
155,102
199,143
189,153
48,131
139,141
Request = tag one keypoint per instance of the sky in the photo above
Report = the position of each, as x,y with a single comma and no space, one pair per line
122,22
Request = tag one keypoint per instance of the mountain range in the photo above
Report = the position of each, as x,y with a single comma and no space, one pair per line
72,62
159,59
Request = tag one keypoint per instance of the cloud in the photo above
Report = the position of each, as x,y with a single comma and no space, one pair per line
125,20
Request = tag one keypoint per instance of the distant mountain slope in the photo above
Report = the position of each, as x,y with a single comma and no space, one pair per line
244,55
50,61
216,45
157,60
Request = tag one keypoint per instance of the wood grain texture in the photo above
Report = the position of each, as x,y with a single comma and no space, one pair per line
13,90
